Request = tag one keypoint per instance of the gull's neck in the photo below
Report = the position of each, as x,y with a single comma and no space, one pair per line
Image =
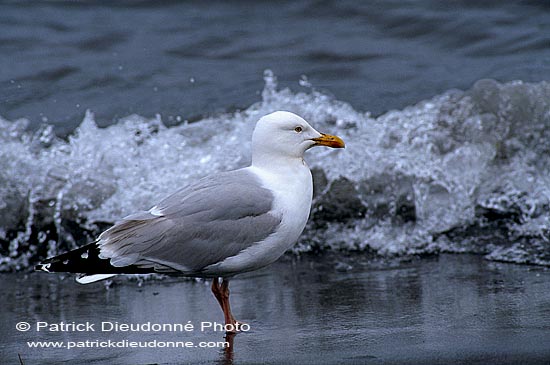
290,180
278,164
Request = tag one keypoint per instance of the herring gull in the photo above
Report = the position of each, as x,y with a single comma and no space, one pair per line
220,226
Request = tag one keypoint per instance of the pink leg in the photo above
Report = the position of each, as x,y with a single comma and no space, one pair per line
221,292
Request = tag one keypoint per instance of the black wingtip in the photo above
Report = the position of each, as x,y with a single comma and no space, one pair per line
86,260
40,267
75,261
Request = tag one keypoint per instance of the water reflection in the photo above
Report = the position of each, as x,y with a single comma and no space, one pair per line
227,352
300,311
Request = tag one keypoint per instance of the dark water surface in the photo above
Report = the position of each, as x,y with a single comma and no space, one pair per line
446,310
191,59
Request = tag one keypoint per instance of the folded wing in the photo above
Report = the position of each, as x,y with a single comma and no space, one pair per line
200,225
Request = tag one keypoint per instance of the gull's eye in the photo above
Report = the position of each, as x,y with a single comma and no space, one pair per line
298,129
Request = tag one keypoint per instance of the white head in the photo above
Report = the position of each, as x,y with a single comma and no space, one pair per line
285,135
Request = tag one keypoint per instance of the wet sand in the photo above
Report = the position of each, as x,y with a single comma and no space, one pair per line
451,309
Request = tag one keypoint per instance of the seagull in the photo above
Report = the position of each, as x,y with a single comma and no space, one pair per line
221,225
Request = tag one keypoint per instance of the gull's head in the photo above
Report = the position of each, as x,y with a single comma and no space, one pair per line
284,134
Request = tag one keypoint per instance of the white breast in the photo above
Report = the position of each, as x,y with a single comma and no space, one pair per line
292,189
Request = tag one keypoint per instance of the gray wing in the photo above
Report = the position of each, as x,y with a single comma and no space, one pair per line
215,218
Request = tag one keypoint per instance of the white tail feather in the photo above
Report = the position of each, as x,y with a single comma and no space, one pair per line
87,279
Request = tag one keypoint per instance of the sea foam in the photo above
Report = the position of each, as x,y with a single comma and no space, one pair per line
466,171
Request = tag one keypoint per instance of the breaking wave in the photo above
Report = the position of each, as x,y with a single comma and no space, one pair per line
466,171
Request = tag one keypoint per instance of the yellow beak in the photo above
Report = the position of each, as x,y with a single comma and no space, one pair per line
329,141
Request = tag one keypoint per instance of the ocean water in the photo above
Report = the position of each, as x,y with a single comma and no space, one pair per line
450,309
107,108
